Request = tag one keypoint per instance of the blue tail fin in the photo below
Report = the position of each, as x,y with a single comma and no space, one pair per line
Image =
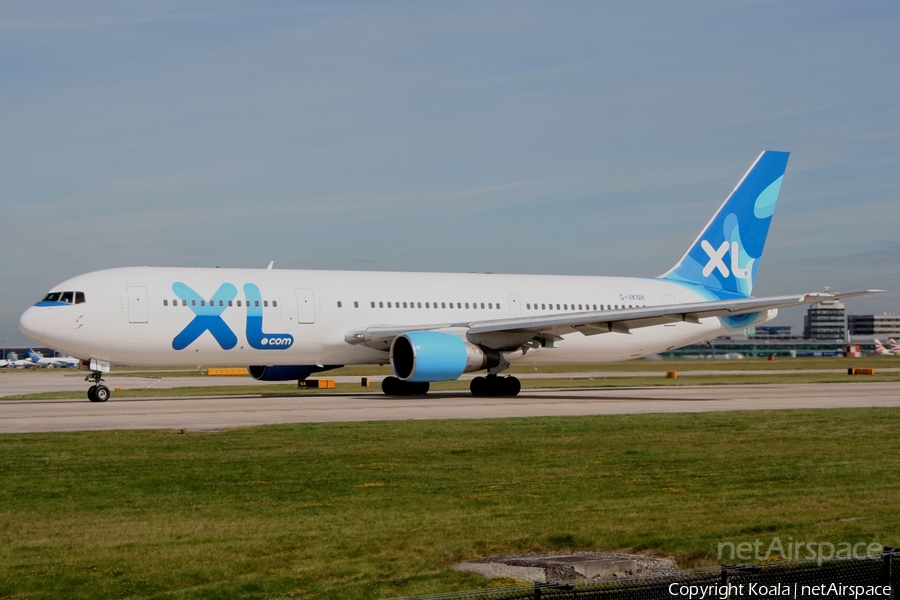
725,256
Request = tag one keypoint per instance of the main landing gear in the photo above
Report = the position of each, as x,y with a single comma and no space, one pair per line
492,385
489,386
393,386
97,392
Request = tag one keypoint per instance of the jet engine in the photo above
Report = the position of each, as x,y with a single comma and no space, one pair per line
420,356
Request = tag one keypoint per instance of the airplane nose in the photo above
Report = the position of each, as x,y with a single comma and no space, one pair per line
31,323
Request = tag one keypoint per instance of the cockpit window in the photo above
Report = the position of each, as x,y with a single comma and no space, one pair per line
66,297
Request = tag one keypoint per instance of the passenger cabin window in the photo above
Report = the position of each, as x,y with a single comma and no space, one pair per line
373,304
339,304
274,303
355,304
238,302
255,303
165,302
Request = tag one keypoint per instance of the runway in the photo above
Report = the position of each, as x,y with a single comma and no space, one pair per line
213,413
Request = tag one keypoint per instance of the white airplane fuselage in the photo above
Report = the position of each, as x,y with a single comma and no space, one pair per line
146,315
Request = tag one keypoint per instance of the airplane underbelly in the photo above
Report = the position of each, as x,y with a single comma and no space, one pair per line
617,347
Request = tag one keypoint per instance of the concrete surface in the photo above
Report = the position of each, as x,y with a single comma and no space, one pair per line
211,413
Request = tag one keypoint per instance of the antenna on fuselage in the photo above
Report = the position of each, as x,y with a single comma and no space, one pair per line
271,264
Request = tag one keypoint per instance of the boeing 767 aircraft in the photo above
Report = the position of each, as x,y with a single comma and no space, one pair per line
288,324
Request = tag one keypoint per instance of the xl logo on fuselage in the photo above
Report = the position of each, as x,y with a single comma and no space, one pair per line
716,260
208,317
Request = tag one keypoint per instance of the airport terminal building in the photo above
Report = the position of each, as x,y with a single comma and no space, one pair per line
883,325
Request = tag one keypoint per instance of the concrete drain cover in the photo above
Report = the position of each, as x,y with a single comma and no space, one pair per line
590,567
569,567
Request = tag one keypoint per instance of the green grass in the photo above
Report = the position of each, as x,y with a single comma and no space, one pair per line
368,510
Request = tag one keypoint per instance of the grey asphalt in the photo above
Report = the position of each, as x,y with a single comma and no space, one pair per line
212,413
20,382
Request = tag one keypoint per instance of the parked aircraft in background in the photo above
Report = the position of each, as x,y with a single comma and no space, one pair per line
37,360
429,326
880,350
10,358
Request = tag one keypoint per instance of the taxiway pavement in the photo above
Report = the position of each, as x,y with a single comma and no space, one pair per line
212,413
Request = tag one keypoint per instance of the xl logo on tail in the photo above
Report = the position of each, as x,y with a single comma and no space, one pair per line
717,260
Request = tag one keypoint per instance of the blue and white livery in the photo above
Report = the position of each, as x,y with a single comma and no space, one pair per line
288,324
724,259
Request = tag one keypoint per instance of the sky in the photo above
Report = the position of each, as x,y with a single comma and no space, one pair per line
586,138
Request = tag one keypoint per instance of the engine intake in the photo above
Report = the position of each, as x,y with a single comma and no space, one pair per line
436,356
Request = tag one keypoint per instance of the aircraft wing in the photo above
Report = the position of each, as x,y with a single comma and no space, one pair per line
520,329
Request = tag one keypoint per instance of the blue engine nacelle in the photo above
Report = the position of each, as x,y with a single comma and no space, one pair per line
436,356
285,372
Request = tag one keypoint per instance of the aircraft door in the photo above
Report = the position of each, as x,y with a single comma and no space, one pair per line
138,304
306,305
515,310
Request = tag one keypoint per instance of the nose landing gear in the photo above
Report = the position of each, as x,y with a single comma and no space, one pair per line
97,392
